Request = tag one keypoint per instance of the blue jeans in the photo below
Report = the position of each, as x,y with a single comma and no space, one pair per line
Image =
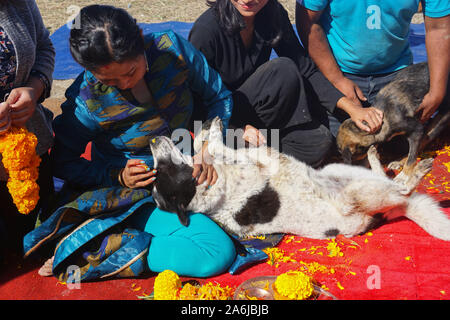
370,85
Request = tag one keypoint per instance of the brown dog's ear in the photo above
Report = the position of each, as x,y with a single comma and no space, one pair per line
347,156
356,130
182,215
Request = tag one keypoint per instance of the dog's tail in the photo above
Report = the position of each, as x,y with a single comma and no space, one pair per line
427,213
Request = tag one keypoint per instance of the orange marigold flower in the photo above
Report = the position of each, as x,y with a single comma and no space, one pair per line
18,150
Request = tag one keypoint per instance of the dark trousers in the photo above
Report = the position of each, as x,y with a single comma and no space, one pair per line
370,86
14,225
275,97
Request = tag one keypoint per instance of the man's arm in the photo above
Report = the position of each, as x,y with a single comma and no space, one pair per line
437,41
315,41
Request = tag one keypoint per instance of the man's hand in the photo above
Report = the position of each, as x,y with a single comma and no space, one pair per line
367,119
429,105
350,90
203,168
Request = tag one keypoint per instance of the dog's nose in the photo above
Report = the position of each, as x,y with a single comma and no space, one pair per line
154,140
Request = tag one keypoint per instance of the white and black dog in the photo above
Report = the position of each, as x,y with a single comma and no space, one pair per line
262,191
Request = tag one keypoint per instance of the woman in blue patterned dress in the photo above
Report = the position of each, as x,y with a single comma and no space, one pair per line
134,87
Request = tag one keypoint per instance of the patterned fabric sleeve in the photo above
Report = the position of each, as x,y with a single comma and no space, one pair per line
207,83
74,129
8,64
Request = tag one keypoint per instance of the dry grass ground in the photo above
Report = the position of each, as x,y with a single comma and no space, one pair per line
56,12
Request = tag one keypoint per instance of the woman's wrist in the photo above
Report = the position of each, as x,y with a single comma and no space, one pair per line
120,178
40,84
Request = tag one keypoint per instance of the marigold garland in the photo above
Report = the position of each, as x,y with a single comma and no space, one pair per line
18,150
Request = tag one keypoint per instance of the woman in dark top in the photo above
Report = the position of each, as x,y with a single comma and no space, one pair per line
287,93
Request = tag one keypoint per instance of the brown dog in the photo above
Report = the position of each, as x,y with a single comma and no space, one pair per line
398,100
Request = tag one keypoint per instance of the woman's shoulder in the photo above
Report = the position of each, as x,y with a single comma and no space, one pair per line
207,30
207,22
208,18
163,40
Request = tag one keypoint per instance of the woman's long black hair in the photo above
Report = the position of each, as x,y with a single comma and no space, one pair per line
104,34
232,22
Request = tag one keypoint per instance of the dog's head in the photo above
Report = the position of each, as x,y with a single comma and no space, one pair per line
174,186
352,142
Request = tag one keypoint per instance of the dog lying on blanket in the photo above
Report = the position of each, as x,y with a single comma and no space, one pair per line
398,100
262,191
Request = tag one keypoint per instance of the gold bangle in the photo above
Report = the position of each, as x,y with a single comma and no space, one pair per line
120,178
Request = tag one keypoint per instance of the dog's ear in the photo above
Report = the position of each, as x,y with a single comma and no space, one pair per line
347,155
182,214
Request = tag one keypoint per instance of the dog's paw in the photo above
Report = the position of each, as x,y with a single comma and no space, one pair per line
396,165
423,167
215,132
372,152
401,179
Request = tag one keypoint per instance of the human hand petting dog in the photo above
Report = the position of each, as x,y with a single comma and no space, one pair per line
429,105
253,136
203,168
136,174
350,90
367,119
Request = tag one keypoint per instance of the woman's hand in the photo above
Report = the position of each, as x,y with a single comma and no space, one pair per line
23,103
367,119
203,168
136,174
5,118
253,136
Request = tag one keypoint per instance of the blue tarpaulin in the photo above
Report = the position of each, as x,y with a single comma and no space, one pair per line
67,68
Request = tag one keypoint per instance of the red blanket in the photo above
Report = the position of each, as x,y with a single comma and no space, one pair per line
396,261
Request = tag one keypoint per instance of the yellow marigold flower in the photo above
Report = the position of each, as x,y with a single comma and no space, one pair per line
293,285
18,150
333,249
166,286
277,256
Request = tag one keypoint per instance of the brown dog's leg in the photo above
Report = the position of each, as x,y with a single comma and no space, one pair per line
434,128
419,171
413,138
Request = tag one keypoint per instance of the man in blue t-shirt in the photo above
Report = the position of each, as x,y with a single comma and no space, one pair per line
360,44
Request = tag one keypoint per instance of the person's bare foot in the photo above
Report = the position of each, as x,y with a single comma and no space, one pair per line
46,269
